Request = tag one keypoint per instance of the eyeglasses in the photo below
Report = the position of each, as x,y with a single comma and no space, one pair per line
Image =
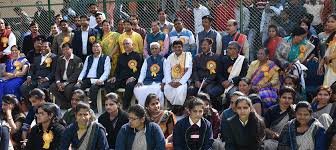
132,119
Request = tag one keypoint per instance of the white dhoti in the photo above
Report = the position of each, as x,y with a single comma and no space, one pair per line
176,96
143,91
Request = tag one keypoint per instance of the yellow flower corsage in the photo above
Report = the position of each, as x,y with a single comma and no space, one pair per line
17,65
92,39
155,68
48,61
66,39
211,66
265,69
302,51
47,139
4,40
132,64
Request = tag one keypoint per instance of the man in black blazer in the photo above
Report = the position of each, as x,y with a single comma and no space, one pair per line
42,72
84,38
68,69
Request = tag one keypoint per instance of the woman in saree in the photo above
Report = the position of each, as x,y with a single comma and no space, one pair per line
294,49
277,117
109,43
84,133
328,62
273,40
14,75
264,76
324,107
304,132
164,118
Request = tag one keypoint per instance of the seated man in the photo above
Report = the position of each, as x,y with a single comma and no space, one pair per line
232,67
95,72
178,70
204,72
151,76
41,73
127,72
68,69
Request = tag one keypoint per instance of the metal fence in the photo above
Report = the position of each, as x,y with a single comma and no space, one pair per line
253,16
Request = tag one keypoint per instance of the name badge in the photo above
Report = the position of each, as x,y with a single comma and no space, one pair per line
194,136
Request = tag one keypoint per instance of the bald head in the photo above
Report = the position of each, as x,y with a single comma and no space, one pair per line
128,44
232,26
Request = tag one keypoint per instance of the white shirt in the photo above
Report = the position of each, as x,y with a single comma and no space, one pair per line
43,58
198,123
198,14
11,42
65,77
173,60
243,123
85,36
93,22
93,72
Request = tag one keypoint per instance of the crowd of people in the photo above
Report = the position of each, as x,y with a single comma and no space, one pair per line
195,87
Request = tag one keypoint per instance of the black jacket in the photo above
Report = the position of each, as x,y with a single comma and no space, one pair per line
112,128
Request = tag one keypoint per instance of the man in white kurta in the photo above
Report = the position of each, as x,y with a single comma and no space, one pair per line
177,73
151,77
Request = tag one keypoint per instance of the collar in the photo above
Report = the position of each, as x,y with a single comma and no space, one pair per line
207,52
87,30
183,29
71,57
179,55
46,55
243,123
98,55
198,123
135,130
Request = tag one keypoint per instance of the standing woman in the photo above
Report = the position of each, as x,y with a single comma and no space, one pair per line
273,40
164,118
48,132
193,131
140,133
109,43
13,77
113,118
246,130
85,133
328,61
14,117
304,132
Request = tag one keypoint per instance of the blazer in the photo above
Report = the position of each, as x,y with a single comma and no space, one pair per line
77,43
75,66
43,70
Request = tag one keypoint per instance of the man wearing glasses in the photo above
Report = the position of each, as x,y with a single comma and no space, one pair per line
127,72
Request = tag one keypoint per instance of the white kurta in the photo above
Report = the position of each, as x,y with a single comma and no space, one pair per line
143,91
177,96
